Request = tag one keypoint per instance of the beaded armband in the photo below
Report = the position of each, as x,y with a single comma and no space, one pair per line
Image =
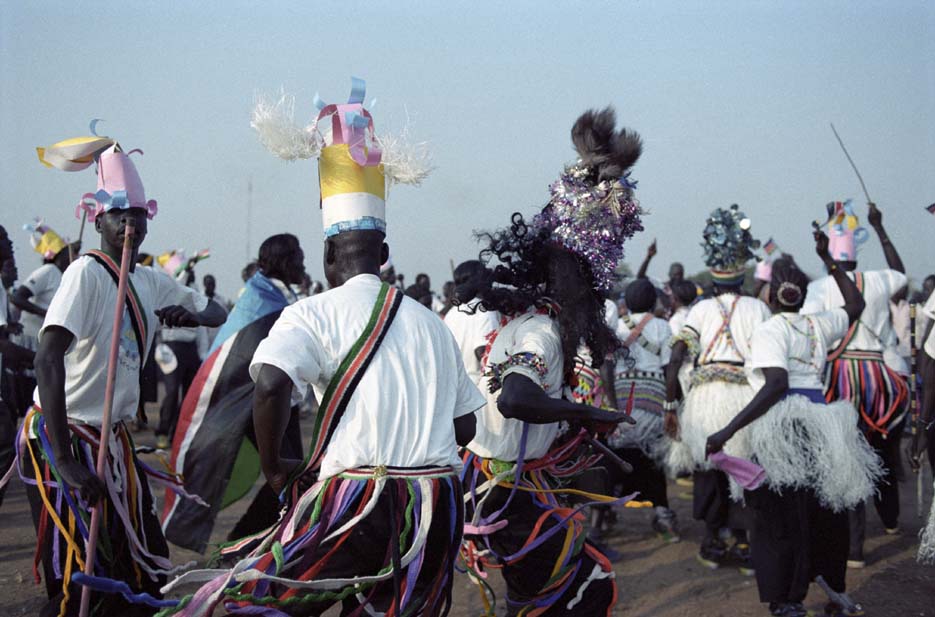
691,340
495,372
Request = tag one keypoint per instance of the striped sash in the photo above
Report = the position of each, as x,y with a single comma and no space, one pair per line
137,315
348,376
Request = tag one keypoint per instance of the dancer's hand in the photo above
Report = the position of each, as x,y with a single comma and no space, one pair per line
598,416
874,216
651,251
670,425
716,441
81,479
280,474
176,316
916,450
821,245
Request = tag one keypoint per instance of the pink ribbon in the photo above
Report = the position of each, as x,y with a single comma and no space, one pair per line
746,473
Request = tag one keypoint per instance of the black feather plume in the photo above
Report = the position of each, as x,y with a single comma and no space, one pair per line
608,152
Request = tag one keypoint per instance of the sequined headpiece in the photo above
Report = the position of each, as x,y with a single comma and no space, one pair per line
592,211
728,245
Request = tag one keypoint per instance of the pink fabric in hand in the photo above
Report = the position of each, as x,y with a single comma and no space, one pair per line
746,473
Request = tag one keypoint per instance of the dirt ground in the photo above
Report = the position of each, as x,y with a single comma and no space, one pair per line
655,580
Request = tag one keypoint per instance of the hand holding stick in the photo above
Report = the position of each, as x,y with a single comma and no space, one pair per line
91,546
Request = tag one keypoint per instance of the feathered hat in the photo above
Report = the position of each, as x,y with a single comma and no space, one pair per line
118,184
44,240
355,166
592,211
845,235
728,245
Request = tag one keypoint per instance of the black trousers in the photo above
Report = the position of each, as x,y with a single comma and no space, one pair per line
886,499
115,560
647,478
177,383
795,539
712,504
526,577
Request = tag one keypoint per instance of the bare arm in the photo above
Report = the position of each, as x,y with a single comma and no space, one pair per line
176,316
776,386
853,300
50,376
893,260
465,427
523,399
20,300
650,253
271,402
609,376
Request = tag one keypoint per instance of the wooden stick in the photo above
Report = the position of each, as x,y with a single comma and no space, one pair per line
71,251
91,546
851,161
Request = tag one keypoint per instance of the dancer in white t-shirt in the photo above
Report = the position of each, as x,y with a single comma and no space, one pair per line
816,462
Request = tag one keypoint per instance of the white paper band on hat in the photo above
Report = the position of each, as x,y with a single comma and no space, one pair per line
351,207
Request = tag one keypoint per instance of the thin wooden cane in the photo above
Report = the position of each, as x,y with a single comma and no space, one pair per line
91,545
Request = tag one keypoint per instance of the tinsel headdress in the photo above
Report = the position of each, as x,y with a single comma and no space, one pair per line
356,167
728,245
592,211
118,183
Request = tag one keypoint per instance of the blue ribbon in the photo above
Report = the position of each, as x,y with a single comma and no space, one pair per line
93,126
356,120
358,90
320,104
625,181
116,201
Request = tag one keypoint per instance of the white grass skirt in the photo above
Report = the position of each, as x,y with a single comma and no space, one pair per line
808,445
927,539
708,408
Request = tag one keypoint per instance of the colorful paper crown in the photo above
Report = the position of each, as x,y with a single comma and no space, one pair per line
174,262
355,167
592,211
118,184
845,235
43,240
728,245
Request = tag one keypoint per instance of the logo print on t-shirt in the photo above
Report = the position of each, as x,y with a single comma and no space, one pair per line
129,356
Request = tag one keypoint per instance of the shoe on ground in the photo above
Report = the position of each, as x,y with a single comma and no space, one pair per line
666,525
712,553
852,609
892,531
739,555
162,442
856,564
788,609
686,482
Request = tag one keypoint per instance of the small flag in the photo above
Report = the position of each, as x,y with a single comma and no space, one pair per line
931,209
770,247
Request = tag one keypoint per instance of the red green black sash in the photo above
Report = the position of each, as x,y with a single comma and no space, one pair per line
137,316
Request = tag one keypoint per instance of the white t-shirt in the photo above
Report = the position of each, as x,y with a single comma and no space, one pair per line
797,343
678,319
470,332
655,353
403,410
929,311
43,283
84,305
704,323
875,329
528,345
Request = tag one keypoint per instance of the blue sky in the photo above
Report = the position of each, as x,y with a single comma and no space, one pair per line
733,101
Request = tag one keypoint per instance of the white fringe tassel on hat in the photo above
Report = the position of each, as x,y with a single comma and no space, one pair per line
274,121
927,539
404,162
806,445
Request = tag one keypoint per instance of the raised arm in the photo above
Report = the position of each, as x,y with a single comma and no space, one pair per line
853,300
893,260
650,253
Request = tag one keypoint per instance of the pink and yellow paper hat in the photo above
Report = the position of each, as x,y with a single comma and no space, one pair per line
44,240
845,235
355,167
118,183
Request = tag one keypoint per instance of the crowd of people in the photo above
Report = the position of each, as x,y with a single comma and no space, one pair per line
496,426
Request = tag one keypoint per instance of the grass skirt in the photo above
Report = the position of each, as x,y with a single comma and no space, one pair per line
927,539
805,445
